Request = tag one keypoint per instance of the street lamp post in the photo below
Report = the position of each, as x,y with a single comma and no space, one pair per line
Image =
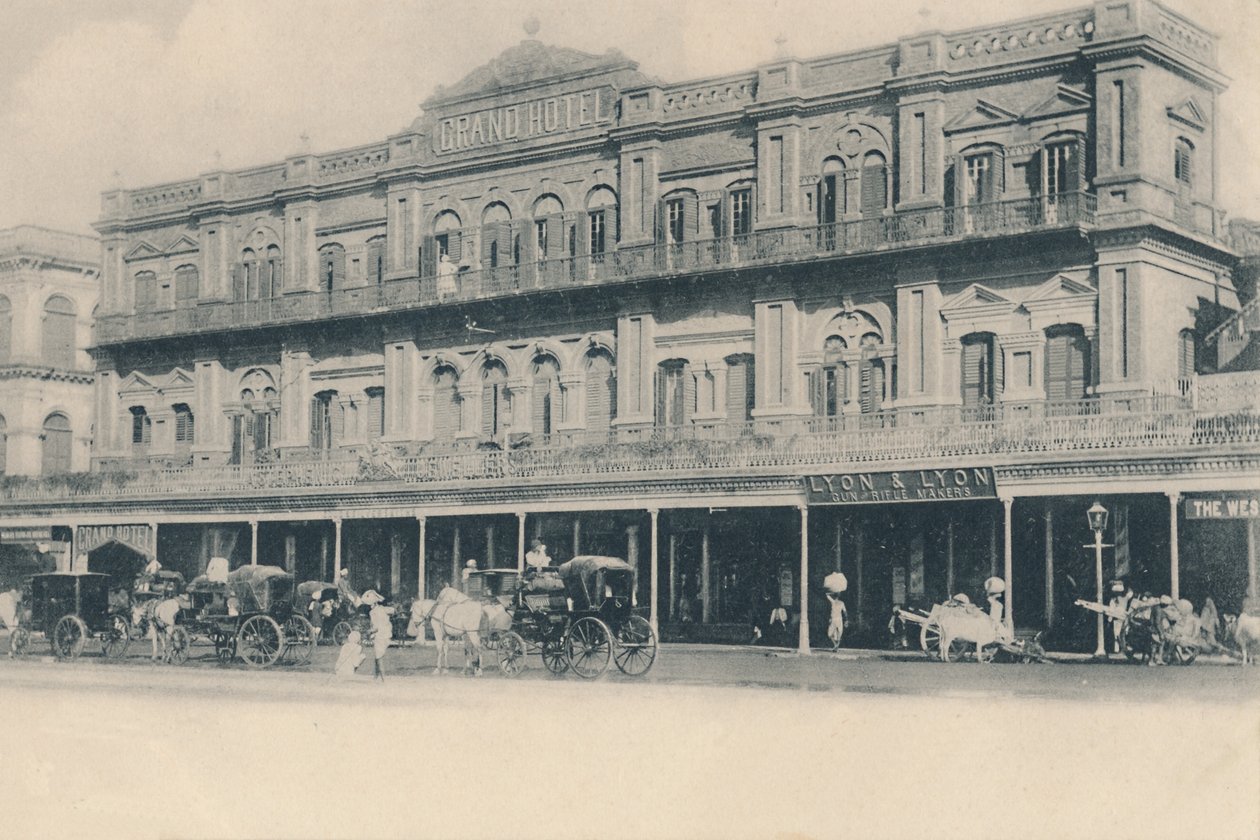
1098,523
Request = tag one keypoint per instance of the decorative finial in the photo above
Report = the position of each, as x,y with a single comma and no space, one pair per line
780,44
532,26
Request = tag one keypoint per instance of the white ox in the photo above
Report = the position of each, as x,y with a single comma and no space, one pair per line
1246,633
961,622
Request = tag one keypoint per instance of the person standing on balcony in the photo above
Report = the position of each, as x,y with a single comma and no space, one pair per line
446,271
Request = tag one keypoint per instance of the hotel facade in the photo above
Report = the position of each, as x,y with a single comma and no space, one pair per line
905,312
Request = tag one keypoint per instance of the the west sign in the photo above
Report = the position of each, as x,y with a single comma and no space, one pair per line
859,488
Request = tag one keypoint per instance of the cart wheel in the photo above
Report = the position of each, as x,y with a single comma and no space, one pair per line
224,648
554,657
588,647
115,640
930,639
492,641
177,645
1184,654
957,650
341,632
260,641
636,647
21,641
511,648
987,653
299,640
69,637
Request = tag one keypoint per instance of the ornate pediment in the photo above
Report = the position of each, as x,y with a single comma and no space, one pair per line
179,379
528,63
1060,287
183,245
135,383
983,115
976,295
143,251
1065,100
1189,113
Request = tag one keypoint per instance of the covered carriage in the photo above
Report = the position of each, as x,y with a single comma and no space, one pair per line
250,614
69,608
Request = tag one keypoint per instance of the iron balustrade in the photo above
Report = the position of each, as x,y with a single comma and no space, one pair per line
776,247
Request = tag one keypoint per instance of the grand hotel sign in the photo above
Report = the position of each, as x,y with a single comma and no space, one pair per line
907,486
553,115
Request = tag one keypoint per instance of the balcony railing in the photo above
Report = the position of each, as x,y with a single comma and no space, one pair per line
784,447
775,247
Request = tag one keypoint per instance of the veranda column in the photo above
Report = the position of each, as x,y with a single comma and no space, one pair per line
489,561
395,563
457,560
420,557
153,529
520,543
253,542
858,552
632,547
655,534
336,549
577,534
1049,563
949,558
673,575
803,643
706,569
1007,562
1253,585
1174,550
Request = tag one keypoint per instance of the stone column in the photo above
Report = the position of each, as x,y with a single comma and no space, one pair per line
1253,586
706,590
1007,560
1174,550
489,562
632,546
395,562
949,559
673,575
520,542
253,541
457,559
336,549
655,534
420,557
577,534
803,643
1049,563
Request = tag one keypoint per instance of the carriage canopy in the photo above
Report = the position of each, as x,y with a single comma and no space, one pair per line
310,588
260,588
586,576
86,594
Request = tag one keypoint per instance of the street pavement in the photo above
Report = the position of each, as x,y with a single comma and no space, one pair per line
713,742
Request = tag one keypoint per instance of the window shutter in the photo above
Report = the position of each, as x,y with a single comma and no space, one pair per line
999,371
661,382
339,269
612,226
1057,388
455,245
997,173
376,414
337,422
1033,173
6,329
691,216
1076,165
376,261
599,393
237,432
317,426
972,372
489,245
662,222
443,406
874,189
488,408
737,391
817,395
688,406
715,220
866,395
238,282
1185,354
956,181
428,257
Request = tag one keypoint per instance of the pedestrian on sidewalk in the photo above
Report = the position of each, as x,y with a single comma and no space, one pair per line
382,630
350,656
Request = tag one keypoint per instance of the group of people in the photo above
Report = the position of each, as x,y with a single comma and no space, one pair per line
373,627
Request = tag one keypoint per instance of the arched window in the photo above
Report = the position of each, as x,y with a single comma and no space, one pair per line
375,413
187,285
602,226
1067,363
4,444
447,231
601,391
874,184
253,425
245,277
141,430
332,267
1183,163
184,428
979,376
1186,346
548,408
6,329
326,421
831,381
273,268
146,291
446,408
741,387
58,332
57,441
495,407
832,192
872,375
496,235
549,234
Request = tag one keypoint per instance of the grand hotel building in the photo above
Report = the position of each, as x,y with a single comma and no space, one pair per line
904,312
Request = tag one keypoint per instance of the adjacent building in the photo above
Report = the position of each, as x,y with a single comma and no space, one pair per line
904,312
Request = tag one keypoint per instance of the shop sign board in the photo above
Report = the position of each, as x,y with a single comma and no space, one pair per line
136,537
25,535
553,115
859,488
1225,505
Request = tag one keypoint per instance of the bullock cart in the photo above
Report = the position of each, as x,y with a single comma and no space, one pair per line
957,629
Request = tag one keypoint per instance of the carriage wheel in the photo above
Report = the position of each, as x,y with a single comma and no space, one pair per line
21,641
588,647
224,648
1184,654
554,657
930,639
341,632
69,637
115,640
636,647
260,641
492,641
299,640
177,645
511,648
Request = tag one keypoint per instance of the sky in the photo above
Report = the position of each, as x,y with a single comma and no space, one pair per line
98,94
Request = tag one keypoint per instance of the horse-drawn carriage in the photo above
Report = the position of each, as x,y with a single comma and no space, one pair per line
249,614
69,608
579,616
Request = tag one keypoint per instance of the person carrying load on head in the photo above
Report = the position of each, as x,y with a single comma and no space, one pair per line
994,588
835,584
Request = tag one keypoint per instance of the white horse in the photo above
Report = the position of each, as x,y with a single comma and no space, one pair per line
456,616
161,615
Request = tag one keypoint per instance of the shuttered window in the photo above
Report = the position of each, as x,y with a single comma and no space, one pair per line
141,430
978,380
1183,162
187,285
740,388
741,212
1067,363
676,220
58,332
57,440
494,400
547,410
445,404
1185,354
332,267
672,393
872,385
376,260
874,183
184,429
6,329
376,413
601,392
146,291
324,412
